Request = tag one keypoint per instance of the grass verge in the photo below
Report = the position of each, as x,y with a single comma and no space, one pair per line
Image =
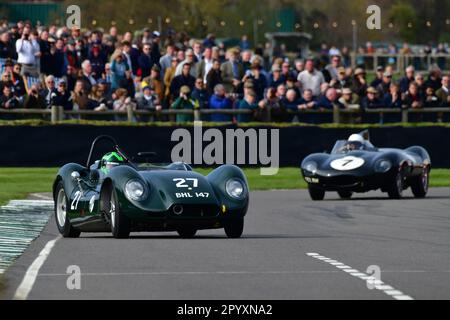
17,183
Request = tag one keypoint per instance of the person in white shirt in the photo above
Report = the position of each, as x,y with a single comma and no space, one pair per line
28,51
311,79
205,65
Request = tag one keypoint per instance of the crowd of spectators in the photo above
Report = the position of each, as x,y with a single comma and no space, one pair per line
100,71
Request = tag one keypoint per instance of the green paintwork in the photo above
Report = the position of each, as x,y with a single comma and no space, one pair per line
166,186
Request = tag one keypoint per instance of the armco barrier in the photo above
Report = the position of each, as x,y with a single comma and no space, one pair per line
56,145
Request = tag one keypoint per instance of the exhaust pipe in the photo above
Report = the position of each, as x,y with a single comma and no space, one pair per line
177,209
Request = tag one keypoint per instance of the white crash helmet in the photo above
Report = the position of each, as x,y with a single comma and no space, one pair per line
356,138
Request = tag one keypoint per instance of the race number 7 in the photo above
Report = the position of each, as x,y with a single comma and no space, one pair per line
182,183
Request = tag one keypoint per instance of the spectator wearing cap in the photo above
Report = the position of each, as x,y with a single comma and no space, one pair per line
431,100
378,77
154,81
275,77
359,84
342,81
97,59
348,99
184,79
214,77
434,79
145,61
258,79
148,101
232,71
189,59
247,103
311,78
443,94
28,50
383,87
220,101
63,96
291,83
371,100
156,51
185,101
407,79
199,93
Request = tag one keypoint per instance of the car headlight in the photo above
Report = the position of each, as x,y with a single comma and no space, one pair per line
310,166
135,190
235,188
383,166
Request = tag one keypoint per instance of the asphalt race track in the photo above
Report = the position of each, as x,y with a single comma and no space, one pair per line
292,248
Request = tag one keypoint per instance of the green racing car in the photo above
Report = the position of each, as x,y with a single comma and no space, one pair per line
122,195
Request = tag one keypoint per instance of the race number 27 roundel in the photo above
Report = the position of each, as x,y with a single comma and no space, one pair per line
347,163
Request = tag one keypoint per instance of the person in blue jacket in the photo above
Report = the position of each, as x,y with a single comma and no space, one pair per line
219,100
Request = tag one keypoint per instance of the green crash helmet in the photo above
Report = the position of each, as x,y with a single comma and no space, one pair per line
111,160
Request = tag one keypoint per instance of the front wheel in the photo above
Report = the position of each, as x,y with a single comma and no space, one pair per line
395,190
315,193
419,184
62,221
234,228
120,226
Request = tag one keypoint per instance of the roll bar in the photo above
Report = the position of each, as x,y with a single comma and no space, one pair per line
114,144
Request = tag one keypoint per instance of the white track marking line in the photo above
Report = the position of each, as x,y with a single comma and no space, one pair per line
30,276
378,284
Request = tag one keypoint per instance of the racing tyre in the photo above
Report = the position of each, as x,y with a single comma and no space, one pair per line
316,194
395,190
345,194
234,228
419,185
62,221
187,232
120,225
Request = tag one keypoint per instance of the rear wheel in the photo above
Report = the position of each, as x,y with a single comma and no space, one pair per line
120,225
187,232
419,184
345,194
315,193
395,190
234,228
62,221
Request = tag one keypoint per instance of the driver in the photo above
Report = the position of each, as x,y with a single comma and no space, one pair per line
111,160
354,142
